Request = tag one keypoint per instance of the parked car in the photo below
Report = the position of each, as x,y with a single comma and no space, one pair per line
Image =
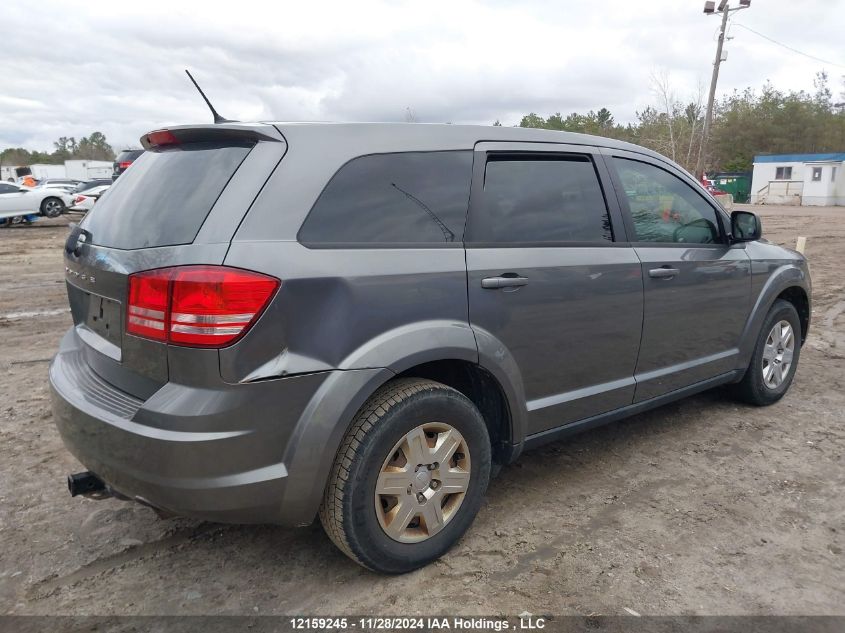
85,201
124,160
362,322
90,184
64,187
65,184
59,182
17,201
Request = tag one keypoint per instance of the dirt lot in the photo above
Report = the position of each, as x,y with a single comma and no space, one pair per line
700,507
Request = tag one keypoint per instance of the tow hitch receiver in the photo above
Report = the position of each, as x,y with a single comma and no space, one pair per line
87,484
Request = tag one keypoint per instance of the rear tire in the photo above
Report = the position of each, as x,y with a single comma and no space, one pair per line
768,377
52,207
380,500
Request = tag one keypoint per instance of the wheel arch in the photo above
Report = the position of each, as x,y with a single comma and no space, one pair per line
790,283
797,296
319,432
469,359
483,390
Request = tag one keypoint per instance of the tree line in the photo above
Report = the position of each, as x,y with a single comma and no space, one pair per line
92,147
745,123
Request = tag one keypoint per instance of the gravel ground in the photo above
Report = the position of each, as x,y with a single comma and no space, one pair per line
700,507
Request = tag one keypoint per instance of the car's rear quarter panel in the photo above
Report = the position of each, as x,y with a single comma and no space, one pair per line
336,305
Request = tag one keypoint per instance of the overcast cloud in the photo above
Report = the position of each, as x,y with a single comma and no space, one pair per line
71,68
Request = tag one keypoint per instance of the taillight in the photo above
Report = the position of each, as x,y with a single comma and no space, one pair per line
124,164
78,199
160,138
146,312
196,306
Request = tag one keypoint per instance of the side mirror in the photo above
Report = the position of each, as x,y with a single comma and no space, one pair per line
745,226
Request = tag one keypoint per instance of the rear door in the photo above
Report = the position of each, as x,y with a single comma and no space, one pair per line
697,285
179,204
552,280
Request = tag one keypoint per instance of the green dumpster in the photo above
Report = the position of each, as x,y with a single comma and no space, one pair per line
736,183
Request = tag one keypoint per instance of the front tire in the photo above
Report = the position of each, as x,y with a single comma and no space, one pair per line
52,207
775,358
409,477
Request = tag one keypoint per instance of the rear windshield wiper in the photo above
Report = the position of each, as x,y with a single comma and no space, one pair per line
450,237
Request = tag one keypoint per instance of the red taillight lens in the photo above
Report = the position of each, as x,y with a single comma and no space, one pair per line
212,306
125,164
78,199
197,306
162,137
146,312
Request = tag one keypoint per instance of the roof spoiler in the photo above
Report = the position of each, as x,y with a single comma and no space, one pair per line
215,133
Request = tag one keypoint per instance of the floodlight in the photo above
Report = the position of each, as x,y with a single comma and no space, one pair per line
710,6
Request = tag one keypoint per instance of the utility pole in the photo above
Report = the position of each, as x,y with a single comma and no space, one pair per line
725,10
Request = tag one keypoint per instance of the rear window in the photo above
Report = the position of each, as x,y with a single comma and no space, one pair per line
164,198
409,198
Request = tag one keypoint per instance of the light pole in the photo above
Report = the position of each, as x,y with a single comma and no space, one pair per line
710,9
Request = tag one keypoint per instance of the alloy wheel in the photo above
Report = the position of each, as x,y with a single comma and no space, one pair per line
778,353
53,208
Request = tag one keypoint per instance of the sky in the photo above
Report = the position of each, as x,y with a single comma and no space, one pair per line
70,68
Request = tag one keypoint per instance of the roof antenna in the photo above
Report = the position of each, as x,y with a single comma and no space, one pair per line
217,117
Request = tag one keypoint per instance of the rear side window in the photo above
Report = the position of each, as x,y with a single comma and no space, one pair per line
533,200
164,198
409,198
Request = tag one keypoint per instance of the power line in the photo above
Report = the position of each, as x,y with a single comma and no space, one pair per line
794,50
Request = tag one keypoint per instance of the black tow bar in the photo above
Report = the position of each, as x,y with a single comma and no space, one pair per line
87,484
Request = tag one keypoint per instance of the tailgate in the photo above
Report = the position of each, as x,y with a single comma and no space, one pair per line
178,205
97,284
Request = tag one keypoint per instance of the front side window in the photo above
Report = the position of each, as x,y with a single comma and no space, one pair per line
783,173
664,208
4,188
548,199
817,174
415,198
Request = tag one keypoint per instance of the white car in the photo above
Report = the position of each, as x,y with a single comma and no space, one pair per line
17,201
85,201
68,187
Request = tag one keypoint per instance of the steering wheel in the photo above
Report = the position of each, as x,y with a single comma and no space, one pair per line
696,227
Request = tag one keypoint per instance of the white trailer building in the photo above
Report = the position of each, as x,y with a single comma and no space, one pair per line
76,169
88,169
40,171
799,179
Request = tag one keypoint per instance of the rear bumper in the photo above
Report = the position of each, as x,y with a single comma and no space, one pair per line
215,454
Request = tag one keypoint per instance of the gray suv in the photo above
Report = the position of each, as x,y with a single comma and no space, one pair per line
362,322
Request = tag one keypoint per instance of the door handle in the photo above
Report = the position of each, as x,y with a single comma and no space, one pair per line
664,272
492,283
